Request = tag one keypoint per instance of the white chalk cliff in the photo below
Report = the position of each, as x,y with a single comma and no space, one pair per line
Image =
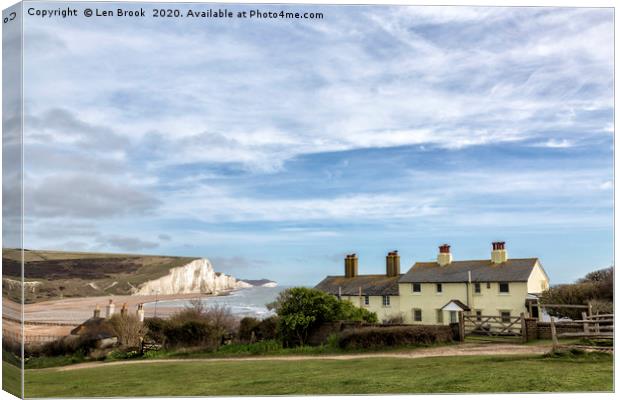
196,277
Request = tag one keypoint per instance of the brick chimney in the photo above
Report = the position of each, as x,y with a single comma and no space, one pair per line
109,309
350,266
392,263
499,255
444,257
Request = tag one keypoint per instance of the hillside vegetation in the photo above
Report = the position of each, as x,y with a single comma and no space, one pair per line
53,274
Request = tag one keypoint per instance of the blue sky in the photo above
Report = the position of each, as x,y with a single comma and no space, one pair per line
275,147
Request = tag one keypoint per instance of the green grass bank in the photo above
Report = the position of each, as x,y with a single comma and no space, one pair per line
465,374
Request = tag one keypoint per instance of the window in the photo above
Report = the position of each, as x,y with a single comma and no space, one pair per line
505,316
416,287
440,316
453,318
439,288
488,285
478,315
477,287
366,300
503,287
417,314
386,301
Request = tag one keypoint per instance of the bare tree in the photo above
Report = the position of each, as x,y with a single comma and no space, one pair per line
128,329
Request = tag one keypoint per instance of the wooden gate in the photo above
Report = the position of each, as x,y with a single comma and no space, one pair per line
494,326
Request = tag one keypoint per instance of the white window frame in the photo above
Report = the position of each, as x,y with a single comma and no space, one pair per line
413,288
499,288
478,286
366,300
414,315
439,316
439,288
386,301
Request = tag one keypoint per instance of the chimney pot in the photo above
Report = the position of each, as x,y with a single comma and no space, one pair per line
109,310
392,263
444,257
499,254
350,265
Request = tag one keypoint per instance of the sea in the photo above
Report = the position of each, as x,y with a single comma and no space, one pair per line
249,302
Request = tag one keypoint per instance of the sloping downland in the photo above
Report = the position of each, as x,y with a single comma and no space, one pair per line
73,274
455,374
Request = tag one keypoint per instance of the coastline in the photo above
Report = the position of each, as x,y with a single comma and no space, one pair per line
58,317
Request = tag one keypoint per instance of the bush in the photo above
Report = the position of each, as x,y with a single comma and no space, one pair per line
192,333
378,337
155,328
194,326
68,345
301,311
253,329
596,287
128,329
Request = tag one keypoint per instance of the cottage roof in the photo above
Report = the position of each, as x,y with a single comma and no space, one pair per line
371,285
95,328
512,270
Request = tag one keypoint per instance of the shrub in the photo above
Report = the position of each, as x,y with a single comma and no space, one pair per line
68,345
192,333
247,329
253,329
196,325
128,329
377,337
155,329
596,287
301,311
268,328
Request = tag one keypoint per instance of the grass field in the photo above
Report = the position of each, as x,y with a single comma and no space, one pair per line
11,379
590,372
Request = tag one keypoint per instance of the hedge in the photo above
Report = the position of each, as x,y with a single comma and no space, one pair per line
377,337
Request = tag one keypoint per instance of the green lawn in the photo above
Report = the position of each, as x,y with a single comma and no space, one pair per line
593,372
11,379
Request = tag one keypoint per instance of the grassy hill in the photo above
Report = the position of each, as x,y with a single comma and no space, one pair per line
455,374
55,274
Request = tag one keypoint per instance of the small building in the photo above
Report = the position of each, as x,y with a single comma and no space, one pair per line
377,293
431,292
98,329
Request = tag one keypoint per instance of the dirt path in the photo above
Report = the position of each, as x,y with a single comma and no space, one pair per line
467,349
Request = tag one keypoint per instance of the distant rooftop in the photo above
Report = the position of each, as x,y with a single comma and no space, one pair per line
371,285
512,270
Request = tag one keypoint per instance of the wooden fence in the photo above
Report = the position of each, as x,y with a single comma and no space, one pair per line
594,326
493,325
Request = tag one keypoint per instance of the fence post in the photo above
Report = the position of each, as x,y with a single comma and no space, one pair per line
461,326
586,327
554,336
589,309
523,329
597,327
